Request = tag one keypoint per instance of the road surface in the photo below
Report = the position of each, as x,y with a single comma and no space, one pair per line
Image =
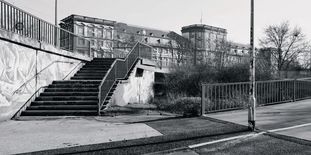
293,119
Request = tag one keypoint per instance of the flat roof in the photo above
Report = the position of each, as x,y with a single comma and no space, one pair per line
203,26
89,20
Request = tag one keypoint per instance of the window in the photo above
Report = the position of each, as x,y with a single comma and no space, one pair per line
80,30
199,35
159,41
191,35
139,72
101,43
151,34
90,31
109,34
81,42
100,33
92,42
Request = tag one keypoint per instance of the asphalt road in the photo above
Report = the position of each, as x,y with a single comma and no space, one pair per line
286,117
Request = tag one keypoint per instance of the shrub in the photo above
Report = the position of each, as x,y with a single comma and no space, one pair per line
187,106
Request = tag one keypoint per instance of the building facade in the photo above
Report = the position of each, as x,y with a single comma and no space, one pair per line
198,43
114,39
211,45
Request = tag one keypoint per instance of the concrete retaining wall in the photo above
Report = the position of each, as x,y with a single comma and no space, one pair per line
20,62
137,89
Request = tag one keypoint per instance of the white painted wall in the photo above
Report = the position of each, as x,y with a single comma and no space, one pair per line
135,89
18,64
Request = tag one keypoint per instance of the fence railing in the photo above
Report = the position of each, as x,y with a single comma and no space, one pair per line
230,96
18,21
120,69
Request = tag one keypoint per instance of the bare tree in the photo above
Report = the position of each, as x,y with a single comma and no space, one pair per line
287,44
183,47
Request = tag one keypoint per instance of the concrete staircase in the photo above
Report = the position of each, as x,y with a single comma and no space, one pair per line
75,97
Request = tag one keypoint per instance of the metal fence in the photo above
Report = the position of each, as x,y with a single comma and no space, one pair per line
18,21
120,69
230,96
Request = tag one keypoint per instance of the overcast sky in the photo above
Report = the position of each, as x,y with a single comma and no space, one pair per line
173,14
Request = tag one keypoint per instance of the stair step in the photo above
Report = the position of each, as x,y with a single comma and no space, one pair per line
90,74
77,82
98,65
59,113
92,71
63,107
69,94
103,59
73,86
66,98
87,78
71,90
75,97
95,67
71,102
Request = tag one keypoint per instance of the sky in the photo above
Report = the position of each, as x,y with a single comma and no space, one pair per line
233,15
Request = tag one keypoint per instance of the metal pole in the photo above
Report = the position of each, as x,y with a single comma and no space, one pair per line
252,90
56,13
56,30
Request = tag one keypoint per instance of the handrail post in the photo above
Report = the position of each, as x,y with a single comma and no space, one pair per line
138,49
99,103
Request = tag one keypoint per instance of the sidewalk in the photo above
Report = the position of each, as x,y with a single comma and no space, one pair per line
29,136
130,134
44,133
170,133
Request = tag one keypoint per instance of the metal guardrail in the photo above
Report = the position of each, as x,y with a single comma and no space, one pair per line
230,96
120,69
18,21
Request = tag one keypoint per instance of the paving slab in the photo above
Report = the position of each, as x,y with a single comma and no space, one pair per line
36,135
176,132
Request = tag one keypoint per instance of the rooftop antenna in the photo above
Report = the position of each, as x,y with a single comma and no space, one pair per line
201,20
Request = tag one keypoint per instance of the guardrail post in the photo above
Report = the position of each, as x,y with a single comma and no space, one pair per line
203,100
295,87
39,33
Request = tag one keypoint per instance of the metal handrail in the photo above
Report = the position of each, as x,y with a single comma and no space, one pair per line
124,66
78,66
37,74
28,102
